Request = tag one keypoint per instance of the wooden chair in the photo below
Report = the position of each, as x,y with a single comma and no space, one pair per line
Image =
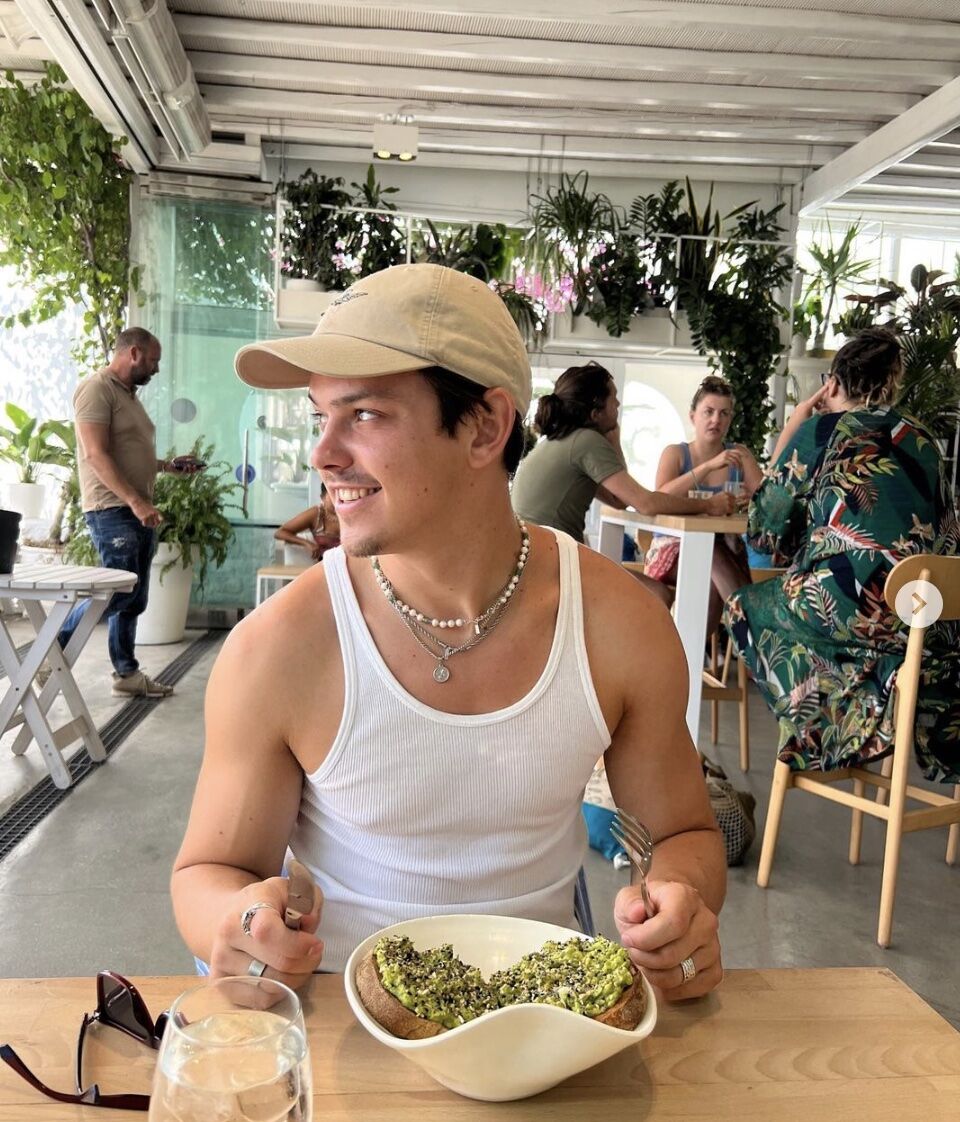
716,687
938,810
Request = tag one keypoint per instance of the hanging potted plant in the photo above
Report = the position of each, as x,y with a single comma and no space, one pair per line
310,230
32,446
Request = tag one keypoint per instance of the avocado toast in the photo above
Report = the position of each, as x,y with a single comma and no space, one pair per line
415,994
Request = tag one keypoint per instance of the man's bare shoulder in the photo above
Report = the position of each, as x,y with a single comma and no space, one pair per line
292,630
630,635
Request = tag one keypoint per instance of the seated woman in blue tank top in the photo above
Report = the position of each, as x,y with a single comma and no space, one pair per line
707,464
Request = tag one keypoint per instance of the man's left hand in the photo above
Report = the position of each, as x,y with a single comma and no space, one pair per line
683,927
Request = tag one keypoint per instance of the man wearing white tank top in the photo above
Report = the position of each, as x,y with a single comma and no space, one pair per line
416,718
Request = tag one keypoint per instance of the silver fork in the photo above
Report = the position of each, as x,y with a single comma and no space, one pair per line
635,838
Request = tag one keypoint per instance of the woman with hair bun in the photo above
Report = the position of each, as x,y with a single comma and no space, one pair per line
580,459
854,487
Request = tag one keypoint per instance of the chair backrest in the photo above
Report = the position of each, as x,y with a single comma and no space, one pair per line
944,574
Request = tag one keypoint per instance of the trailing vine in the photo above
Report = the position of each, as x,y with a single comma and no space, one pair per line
64,210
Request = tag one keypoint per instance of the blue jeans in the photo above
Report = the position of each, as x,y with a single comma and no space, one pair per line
123,542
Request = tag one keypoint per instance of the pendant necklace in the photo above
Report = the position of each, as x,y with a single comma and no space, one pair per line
417,622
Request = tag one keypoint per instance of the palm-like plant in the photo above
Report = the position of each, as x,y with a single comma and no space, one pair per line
31,445
569,225
836,266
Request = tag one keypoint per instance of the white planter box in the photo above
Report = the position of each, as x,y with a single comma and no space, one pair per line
653,328
298,307
165,620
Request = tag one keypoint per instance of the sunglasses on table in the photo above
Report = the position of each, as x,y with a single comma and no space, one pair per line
119,1006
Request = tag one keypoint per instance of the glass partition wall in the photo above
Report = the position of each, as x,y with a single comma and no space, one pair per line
205,289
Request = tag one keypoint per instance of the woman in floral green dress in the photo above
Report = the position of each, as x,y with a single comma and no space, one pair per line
854,487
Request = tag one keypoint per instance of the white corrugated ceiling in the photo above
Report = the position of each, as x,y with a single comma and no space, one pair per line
763,90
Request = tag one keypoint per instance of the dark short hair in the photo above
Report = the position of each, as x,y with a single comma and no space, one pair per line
714,384
579,390
869,366
458,398
135,337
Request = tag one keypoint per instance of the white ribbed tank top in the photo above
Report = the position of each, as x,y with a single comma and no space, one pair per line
415,812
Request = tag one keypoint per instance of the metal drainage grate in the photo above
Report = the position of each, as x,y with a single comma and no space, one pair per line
30,809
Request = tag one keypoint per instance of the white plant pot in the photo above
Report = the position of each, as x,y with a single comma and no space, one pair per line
296,307
165,620
303,284
27,498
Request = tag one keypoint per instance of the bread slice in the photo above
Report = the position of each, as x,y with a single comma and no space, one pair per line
627,1012
385,1009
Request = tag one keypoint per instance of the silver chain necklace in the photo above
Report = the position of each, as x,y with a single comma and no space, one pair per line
482,624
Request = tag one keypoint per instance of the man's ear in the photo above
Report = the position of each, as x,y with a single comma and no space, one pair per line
490,428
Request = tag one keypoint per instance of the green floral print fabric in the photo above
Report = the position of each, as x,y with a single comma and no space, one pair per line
853,494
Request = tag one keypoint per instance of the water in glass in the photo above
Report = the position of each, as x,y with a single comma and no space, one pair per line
234,1065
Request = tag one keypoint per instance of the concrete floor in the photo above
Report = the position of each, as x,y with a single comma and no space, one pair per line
87,889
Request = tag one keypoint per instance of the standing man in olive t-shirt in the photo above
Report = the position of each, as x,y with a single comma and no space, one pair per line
117,463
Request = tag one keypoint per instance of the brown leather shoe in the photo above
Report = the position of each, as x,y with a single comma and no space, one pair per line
138,684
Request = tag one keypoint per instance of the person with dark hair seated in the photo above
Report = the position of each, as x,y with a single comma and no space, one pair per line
854,487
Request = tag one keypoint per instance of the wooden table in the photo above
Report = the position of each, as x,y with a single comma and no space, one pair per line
695,532
62,586
769,1046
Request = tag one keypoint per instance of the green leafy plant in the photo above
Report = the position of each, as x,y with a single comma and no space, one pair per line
374,240
569,225
448,245
927,320
64,210
736,320
523,311
223,256
32,445
312,227
618,282
652,217
835,267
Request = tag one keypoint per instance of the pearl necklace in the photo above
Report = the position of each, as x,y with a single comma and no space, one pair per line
482,624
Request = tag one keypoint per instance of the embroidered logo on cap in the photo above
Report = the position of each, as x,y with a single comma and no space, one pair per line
350,294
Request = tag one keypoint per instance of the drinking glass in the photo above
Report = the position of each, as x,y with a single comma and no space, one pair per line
234,1050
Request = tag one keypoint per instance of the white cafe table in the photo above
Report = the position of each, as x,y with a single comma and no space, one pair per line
61,586
695,532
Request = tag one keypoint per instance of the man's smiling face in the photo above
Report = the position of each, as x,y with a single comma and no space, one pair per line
388,465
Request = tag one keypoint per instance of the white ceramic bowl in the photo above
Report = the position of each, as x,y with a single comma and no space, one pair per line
510,1053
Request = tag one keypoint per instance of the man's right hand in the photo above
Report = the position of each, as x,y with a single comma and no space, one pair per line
291,955
146,512
721,503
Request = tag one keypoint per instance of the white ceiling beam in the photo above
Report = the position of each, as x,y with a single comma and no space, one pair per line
462,161
32,50
435,49
586,148
825,22
454,85
935,115
299,109
70,32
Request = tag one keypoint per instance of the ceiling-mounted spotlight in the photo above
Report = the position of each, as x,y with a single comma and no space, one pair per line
396,138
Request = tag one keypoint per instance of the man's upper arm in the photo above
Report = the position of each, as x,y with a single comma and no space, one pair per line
248,791
638,665
94,438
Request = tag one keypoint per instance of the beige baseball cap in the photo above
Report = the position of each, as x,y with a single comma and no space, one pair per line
404,318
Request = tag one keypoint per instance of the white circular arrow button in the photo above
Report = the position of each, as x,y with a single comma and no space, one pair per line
919,603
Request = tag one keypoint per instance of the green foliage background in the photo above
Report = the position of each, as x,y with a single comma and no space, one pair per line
64,209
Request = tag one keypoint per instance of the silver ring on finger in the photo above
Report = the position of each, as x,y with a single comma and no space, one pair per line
689,970
256,968
246,918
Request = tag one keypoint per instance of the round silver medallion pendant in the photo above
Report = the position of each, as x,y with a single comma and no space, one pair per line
440,673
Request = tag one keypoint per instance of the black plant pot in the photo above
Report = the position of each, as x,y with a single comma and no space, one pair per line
9,533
